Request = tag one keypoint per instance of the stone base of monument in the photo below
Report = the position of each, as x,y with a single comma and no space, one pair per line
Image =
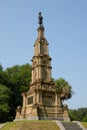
50,118
42,113
33,118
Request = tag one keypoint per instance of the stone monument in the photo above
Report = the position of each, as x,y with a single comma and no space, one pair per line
42,101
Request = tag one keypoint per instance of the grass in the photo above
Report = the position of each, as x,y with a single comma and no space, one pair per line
31,125
84,124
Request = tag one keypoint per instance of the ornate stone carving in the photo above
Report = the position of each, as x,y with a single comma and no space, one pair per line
48,100
41,101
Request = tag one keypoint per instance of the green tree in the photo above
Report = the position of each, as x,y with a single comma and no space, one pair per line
79,114
85,118
1,74
82,114
5,94
17,79
73,114
63,87
1,68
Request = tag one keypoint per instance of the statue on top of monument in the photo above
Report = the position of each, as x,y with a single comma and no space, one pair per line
40,19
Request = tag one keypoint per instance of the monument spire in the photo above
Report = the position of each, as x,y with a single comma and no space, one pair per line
42,100
41,27
41,61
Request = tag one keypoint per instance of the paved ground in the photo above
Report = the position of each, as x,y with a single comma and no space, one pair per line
1,125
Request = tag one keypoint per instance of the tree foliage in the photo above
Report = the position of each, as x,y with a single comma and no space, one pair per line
64,89
79,114
5,94
16,79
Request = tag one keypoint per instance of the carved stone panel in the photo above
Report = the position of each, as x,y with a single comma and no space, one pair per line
30,100
48,98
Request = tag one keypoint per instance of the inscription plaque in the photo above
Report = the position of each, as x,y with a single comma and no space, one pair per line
30,100
48,100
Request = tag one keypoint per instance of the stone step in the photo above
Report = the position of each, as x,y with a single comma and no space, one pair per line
71,126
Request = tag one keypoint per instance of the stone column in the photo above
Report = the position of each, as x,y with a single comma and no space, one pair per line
56,104
23,112
37,97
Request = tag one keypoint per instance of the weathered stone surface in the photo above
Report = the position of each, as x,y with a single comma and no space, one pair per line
42,101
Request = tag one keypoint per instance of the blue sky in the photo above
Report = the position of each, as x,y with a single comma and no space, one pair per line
65,23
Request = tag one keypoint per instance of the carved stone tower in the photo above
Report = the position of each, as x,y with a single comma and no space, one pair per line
42,101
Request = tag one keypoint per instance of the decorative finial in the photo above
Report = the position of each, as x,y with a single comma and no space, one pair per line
40,19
